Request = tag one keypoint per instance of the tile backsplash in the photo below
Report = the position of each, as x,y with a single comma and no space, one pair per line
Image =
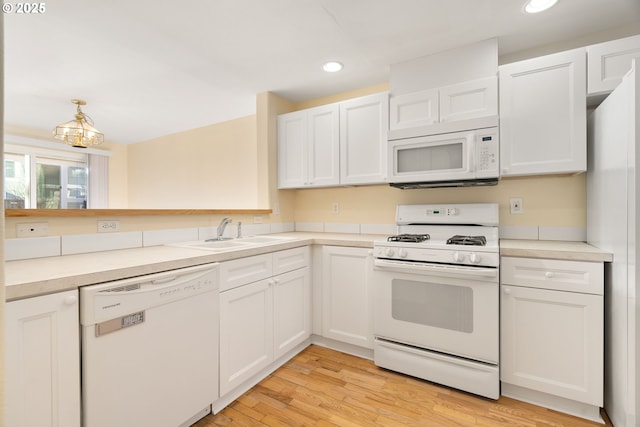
39,247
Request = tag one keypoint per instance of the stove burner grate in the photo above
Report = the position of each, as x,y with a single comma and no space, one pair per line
409,238
467,240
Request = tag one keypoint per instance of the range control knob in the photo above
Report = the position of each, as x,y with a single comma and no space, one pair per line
390,252
458,257
474,258
403,253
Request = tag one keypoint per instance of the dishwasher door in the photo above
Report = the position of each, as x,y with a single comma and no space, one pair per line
150,349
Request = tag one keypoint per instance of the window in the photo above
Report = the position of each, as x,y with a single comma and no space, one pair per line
44,175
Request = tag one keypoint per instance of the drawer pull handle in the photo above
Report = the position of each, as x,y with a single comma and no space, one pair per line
549,274
70,300
507,291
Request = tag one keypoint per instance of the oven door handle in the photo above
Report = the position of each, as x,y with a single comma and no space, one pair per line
437,269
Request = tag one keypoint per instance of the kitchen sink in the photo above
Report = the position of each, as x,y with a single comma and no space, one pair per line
262,239
216,245
225,245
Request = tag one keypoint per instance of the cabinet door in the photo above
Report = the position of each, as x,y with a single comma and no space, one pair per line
552,341
469,100
291,310
323,146
292,149
246,333
364,123
42,361
413,109
608,62
543,125
346,297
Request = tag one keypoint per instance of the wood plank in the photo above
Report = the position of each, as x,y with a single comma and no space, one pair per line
55,213
323,387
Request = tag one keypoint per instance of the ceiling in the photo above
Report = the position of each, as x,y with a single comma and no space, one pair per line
149,68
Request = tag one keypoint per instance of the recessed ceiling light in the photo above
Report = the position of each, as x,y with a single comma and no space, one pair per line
332,66
535,6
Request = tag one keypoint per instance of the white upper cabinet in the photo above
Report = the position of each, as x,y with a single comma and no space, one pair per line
336,144
292,149
364,123
462,101
608,62
469,100
414,109
308,148
543,123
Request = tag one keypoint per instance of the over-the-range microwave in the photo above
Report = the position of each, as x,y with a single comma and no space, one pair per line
466,158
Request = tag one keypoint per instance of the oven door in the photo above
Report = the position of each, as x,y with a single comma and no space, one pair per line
443,308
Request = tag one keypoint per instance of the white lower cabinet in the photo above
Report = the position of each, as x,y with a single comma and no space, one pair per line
42,361
264,317
246,332
346,295
552,333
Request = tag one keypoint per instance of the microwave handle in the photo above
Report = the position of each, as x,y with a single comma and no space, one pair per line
471,151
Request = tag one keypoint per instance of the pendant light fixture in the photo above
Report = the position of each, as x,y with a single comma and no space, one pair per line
80,132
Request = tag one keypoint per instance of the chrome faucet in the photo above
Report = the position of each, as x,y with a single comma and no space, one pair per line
239,230
220,231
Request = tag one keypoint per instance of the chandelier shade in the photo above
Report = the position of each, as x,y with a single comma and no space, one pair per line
79,132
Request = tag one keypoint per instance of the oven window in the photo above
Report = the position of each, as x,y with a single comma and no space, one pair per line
432,304
430,158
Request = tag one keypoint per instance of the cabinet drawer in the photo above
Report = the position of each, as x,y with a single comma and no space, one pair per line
245,270
291,259
571,276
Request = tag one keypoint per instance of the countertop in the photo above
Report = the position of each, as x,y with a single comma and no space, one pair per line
33,277
569,251
27,278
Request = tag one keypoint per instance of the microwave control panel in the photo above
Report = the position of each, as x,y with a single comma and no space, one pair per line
487,152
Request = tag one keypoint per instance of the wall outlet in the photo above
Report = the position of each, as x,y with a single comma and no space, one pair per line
335,208
257,219
516,205
33,229
108,226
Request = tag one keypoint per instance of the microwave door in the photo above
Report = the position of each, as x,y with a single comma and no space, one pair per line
434,158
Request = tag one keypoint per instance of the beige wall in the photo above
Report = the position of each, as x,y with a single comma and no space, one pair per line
547,201
118,176
205,168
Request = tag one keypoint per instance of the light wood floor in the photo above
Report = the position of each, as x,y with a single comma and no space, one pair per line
322,387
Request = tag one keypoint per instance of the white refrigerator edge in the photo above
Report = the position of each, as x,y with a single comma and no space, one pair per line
612,225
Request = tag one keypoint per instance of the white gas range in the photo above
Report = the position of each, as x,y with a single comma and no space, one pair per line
436,296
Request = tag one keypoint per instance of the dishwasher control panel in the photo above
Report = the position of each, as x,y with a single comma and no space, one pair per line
122,299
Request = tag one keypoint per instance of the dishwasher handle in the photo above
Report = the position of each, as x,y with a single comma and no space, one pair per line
110,300
164,280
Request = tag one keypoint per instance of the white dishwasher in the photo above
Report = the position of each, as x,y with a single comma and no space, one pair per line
150,349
